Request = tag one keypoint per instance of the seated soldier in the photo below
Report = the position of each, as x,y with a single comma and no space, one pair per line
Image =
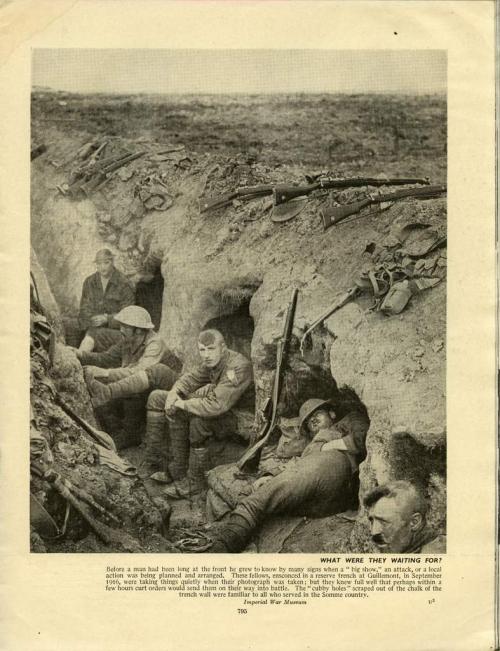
130,366
104,294
198,407
322,482
397,516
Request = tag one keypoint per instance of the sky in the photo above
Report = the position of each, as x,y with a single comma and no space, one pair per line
240,71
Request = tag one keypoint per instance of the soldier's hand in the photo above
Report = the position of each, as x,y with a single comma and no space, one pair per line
98,320
94,372
170,401
170,411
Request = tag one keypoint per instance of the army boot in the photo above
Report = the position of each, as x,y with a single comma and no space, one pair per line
101,393
195,481
232,537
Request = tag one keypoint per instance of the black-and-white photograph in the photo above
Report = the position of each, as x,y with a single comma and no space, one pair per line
238,301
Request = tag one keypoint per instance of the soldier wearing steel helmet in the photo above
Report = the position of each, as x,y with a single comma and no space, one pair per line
322,482
132,365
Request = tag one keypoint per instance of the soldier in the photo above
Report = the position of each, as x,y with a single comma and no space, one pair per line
322,482
104,294
130,366
397,516
197,407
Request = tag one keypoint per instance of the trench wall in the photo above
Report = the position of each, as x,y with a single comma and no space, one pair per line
395,364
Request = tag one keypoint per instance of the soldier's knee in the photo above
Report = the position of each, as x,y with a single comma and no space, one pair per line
156,400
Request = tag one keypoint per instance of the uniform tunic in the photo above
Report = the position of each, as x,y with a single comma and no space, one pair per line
211,392
126,359
117,295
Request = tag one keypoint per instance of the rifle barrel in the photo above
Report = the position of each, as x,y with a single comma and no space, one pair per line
284,193
252,455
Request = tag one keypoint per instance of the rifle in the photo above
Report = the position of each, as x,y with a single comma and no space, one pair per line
336,214
250,459
67,490
101,437
41,326
103,172
94,175
346,297
283,193
243,194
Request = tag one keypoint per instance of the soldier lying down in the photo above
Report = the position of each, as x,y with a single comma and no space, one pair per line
324,481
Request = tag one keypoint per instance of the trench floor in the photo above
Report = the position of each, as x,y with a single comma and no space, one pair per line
308,536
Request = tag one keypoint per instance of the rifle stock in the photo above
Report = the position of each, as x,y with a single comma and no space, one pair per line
336,214
251,456
244,194
104,171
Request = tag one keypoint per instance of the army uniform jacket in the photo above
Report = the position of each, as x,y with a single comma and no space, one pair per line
94,301
352,429
213,392
131,358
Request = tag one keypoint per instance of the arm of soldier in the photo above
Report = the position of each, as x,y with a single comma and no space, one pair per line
346,443
111,358
188,383
224,395
152,355
354,428
348,435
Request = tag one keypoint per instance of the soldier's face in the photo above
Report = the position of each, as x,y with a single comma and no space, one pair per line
393,524
211,353
104,266
320,419
127,332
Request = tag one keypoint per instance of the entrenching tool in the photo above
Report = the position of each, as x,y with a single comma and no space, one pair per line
286,211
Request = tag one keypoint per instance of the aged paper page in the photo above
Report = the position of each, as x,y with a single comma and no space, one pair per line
62,600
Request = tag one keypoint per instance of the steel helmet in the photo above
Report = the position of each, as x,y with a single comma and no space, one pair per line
308,409
135,316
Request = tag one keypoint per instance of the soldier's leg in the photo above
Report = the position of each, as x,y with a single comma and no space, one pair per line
315,485
156,434
178,439
201,431
102,393
161,376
